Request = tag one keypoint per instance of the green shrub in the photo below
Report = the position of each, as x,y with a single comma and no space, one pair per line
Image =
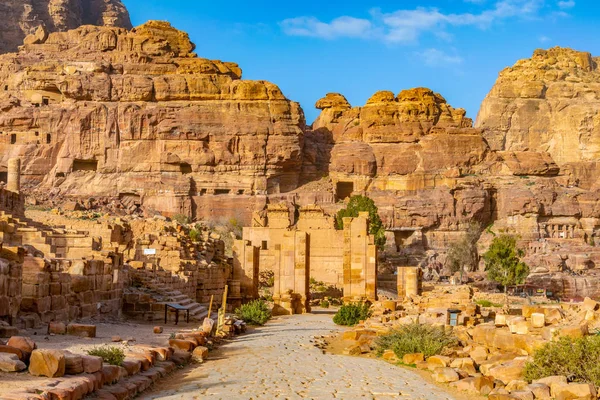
487,303
577,359
181,218
254,313
195,235
352,313
109,354
415,338
359,203
324,304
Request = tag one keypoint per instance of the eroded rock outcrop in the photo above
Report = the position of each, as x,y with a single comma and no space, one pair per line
100,111
34,19
548,103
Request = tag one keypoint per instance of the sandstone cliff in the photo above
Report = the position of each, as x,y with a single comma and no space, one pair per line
549,103
21,18
100,111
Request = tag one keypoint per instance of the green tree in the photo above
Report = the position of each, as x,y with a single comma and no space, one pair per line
462,255
503,262
358,204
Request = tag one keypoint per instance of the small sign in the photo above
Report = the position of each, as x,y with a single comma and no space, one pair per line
149,252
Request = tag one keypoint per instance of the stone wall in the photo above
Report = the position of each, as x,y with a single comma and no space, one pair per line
308,248
11,276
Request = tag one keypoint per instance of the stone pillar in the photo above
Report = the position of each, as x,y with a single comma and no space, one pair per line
409,281
14,175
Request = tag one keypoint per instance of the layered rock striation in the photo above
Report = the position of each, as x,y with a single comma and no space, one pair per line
37,18
100,111
549,103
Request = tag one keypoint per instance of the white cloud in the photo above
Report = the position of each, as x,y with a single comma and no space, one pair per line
340,27
406,26
544,39
438,58
564,5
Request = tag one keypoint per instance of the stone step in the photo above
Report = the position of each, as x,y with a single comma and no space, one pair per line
185,302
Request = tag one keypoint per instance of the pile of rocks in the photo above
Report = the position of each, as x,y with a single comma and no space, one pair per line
74,376
492,348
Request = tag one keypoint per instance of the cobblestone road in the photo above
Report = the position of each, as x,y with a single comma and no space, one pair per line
279,362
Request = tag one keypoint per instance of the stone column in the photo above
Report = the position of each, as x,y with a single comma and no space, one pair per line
14,175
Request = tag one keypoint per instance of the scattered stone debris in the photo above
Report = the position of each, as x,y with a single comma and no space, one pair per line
492,347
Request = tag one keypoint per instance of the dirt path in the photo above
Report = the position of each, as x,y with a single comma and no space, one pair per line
279,362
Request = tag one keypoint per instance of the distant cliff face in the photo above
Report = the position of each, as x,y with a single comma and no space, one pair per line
21,18
547,103
135,114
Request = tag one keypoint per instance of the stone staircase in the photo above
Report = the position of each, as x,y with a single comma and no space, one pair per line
53,243
161,293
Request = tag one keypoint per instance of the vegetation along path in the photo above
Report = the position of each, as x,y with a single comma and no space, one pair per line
278,361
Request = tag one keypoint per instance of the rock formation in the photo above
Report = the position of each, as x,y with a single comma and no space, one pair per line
549,103
34,19
135,115
100,111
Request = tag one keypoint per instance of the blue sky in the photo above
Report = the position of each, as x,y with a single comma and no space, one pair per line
310,48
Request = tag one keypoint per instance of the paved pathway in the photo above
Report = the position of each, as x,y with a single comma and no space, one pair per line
279,362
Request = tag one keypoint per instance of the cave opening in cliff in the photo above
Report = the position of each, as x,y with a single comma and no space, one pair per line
85,165
48,138
222,191
13,138
343,190
4,176
185,168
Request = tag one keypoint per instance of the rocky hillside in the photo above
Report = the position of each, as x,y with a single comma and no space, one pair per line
21,18
549,103
100,111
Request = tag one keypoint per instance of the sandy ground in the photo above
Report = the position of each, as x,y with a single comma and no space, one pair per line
278,361
132,332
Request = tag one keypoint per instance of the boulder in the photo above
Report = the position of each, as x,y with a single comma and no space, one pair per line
11,363
182,344
438,362
539,390
574,391
25,344
481,385
509,371
412,358
158,329
445,375
12,350
49,363
200,353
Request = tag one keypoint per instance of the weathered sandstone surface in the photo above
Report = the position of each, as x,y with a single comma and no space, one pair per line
135,115
100,111
34,19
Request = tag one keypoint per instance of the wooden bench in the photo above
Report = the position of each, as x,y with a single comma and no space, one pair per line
177,308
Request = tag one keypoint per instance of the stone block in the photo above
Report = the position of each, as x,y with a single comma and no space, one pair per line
574,391
413,358
182,344
481,385
11,363
73,363
57,328
445,375
91,364
538,320
200,353
23,343
49,363
82,330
